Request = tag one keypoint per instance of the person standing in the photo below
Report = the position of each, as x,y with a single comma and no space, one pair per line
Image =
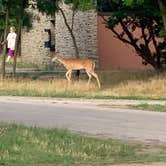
11,42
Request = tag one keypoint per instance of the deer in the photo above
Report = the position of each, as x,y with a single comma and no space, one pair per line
77,64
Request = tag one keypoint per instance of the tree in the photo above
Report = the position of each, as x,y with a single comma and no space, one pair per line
5,7
162,7
2,21
23,19
143,17
13,13
1,31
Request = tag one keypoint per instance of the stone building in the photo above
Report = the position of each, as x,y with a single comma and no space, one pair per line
94,40
34,43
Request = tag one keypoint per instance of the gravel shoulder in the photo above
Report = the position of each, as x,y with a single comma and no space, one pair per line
88,102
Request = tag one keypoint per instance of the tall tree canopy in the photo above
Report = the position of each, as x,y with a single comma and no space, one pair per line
162,7
16,11
141,23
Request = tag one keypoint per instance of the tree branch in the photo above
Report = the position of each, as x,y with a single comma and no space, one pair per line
70,31
72,23
130,36
119,36
145,41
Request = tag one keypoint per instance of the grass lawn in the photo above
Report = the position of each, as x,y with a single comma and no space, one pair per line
115,84
31,146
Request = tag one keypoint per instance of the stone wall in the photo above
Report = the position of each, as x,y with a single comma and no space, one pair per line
85,31
32,46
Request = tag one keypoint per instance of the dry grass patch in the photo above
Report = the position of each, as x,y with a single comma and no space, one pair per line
52,87
121,84
135,84
152,87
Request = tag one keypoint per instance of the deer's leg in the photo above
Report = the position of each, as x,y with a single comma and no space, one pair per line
68,75
90,76
96,76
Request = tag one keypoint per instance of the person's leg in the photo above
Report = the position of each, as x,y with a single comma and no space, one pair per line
10,54
8,58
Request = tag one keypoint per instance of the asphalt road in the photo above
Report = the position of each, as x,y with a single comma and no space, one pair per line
86,118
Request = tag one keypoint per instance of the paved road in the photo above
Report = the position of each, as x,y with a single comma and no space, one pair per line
86,117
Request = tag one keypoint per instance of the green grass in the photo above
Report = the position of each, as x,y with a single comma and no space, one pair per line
23,65
31,66
150,107
24,146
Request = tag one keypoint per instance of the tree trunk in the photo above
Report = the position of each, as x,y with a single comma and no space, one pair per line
1,40
20,21
71,32
5,36
163,12
16,48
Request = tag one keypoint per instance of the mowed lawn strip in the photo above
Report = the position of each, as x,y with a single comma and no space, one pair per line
24,146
